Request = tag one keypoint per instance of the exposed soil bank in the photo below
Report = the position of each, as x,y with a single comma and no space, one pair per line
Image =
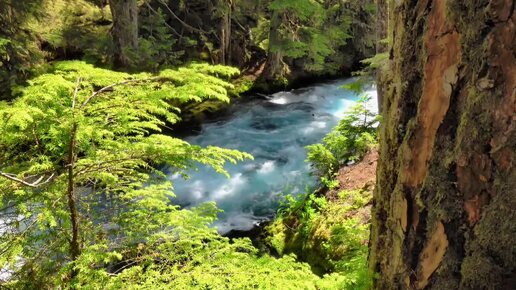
361,175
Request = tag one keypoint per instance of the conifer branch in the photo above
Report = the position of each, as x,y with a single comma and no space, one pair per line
186,25
166,24
109,87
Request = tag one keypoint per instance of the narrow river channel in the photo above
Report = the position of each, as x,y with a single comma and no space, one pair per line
274,129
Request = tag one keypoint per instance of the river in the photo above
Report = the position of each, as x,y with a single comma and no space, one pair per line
274,130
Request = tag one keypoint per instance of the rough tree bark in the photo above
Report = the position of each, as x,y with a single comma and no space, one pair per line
382,18
125,30
444,206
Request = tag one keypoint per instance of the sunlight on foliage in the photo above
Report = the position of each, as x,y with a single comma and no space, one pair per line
331,235
348,141
91,137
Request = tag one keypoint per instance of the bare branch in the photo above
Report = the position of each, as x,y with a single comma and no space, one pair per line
106,88
34,184
76,90
13,178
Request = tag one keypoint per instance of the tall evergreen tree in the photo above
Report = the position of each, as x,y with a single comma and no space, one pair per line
81,150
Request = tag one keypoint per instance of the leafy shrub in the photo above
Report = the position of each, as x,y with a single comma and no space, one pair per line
329,235
348,141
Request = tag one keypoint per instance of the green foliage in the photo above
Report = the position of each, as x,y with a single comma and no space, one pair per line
155,44
208,263
348,141
330,183
75,29
305,32
377,61
320,37
306,208
358,86
260,33
322,158
91,137
19,51
331,235
130,235
82,29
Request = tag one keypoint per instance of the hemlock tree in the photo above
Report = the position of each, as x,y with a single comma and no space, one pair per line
80,165
308,34
443,215
293,34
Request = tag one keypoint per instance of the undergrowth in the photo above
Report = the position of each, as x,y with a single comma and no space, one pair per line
347,142
331,235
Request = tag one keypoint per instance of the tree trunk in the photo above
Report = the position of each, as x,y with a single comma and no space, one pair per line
225,38
225,32
274,65
381,25
444,205
382,19
125,30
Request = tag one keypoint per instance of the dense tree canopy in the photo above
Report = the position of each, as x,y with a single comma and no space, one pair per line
293,39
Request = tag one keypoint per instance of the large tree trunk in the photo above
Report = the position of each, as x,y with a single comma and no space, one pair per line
125,30
444,206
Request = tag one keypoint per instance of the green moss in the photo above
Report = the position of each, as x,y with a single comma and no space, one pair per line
270,86
277,236
242,85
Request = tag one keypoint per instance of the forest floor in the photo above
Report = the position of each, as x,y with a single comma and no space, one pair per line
359,176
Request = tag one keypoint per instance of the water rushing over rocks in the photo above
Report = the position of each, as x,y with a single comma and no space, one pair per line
274,130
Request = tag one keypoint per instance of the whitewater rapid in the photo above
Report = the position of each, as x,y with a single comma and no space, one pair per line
275,131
